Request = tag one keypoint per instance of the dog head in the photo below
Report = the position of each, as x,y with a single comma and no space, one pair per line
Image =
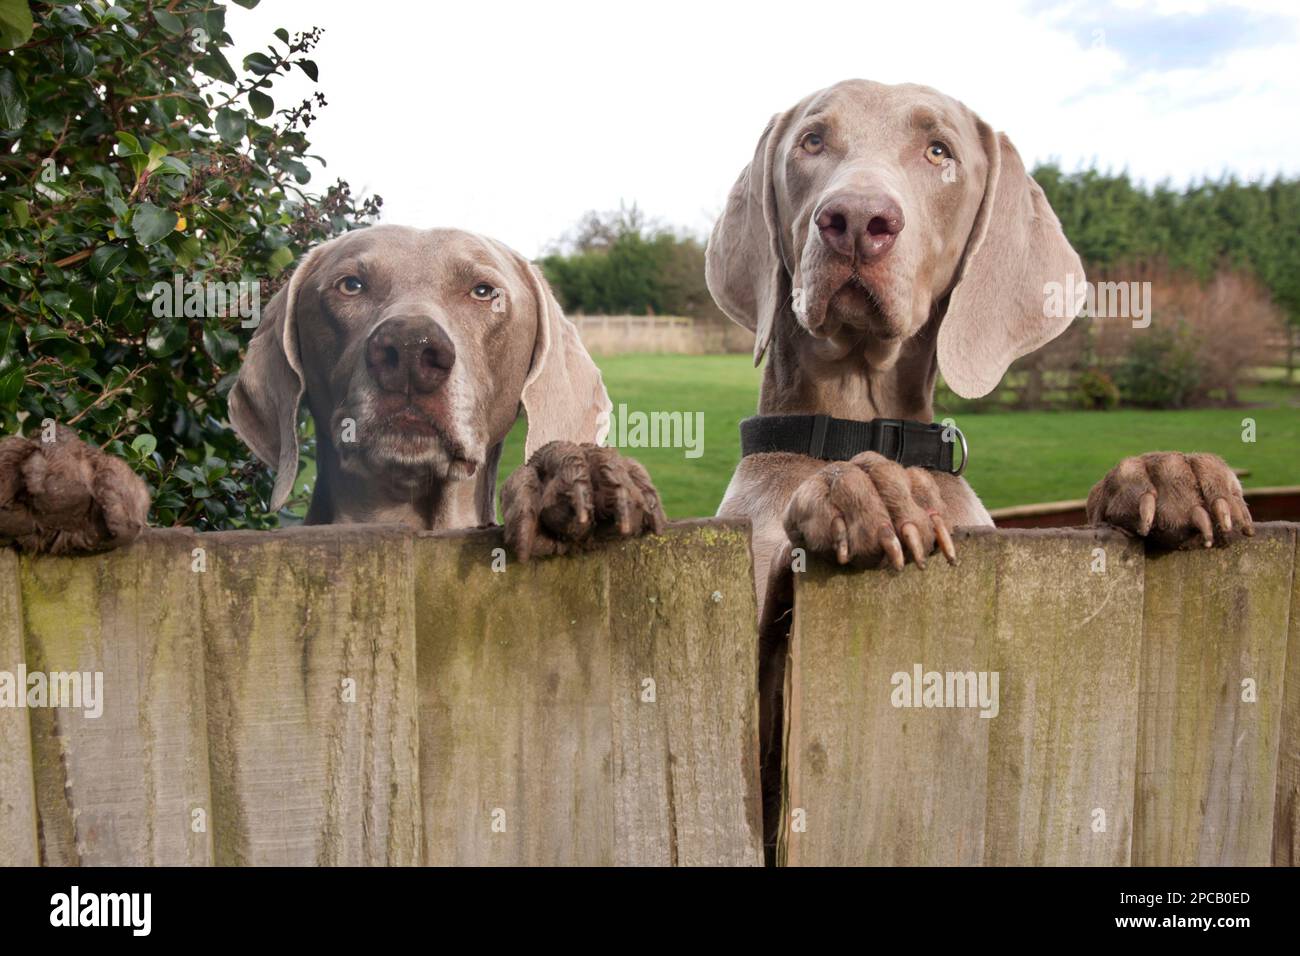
867,207
415,351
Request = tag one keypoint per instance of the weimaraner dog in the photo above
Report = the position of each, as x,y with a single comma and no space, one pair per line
882,235
415,352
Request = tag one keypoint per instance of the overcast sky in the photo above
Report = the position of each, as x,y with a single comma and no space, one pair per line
512,119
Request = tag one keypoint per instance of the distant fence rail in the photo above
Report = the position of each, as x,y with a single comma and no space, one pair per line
373,696
619,334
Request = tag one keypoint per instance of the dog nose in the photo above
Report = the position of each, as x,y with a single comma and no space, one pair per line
409,354
860,226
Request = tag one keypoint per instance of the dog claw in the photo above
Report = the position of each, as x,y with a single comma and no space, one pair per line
893,550
1201,518
841,540
944,539
1146,512
912,537
1222,512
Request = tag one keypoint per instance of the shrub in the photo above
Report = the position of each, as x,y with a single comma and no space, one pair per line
133,151
1096,390
622,263
1160,369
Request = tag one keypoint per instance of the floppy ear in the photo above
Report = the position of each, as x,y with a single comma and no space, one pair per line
998,310
564,396
263,405
743,263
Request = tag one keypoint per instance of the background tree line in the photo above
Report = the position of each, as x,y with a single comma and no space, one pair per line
623,262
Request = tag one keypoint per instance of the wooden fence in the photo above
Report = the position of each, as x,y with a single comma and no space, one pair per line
620,334
371,696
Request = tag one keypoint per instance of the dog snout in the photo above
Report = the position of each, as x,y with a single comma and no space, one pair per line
859,226
409,354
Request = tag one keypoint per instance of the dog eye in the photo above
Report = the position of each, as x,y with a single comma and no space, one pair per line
812,143
350,285
483,292
936,153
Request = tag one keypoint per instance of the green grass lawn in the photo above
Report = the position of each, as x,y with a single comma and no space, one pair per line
1016,457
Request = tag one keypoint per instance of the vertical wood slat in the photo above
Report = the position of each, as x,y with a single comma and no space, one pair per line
880,784
120,788
310,673
537,743
1286,807
18,833
1207,759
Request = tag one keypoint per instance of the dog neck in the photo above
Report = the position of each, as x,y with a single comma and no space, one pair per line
344,497
808,376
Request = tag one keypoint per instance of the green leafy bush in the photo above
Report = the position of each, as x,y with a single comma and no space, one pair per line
1161,369
1096,390
134,152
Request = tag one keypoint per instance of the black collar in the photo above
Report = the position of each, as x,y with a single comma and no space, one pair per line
912,444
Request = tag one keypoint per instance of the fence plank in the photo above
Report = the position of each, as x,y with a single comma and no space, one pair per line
1207,760
18,839
883,784
686,762
310,669
535,744
120,788
1286,810
1069,645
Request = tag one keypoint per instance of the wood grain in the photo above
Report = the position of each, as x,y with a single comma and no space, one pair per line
884,784
121,788
536,744
18,833
311,711
1207,759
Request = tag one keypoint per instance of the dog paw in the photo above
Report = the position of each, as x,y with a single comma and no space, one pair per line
64,497
1172,500
569,496
869,511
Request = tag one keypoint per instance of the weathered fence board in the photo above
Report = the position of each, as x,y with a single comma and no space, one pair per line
18,836
870,782
265,696
1122,733
120,788
1207,759
600,710
1286,809
310,671
372,696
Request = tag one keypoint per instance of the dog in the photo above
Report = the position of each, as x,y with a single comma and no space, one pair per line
879,236
415,351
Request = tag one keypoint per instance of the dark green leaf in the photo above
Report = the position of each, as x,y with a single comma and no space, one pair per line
11,385
259,63
77,59
166,337
13,103
149,223
169,22
15,23
105,260
231,125
216,66
309,67
263,106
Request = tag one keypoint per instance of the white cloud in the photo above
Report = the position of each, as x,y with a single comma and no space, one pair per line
513,118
